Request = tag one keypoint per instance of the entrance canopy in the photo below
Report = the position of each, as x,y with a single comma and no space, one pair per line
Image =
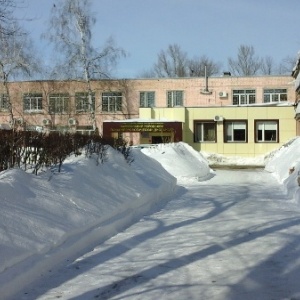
146,127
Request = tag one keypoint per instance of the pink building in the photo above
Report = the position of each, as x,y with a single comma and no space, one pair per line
194,102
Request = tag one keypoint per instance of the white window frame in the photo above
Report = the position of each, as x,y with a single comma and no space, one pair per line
59,103
85,130
147,99
243,97
203,134
82,102
266,131
275,95
112,101
231,131
175,98
33,102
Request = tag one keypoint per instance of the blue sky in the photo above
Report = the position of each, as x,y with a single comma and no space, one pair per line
200,27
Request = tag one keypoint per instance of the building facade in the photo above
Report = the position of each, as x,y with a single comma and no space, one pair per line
242,116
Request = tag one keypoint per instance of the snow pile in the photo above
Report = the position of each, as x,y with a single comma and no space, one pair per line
53,217
284,164
280,161
215,159
181,160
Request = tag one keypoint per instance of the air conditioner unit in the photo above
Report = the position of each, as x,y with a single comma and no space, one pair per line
222,94
72,122
46,122
218,118
19,121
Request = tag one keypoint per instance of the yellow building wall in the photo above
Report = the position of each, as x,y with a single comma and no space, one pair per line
173,114
285,115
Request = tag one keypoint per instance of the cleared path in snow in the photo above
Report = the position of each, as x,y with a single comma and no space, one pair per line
232,237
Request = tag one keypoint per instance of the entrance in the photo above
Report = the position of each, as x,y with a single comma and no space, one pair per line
155,132
161,139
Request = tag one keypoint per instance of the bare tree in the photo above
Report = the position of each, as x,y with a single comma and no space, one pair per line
147,74
286,65
197,66
6,12
268,66
246,63
16,60
171,62
174,62
70,30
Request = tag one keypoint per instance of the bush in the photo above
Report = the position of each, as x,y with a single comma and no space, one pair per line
35,150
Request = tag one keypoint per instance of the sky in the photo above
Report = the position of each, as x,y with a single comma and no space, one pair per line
200,27
63,235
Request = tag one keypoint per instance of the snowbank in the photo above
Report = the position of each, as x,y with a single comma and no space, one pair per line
47,218
181,160
53,217
219,160
284,164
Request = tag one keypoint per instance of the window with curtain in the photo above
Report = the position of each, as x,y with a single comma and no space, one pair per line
235,131
174,98
266,131
147,99
205,131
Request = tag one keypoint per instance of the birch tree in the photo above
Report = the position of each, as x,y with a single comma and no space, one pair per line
16,57
70,31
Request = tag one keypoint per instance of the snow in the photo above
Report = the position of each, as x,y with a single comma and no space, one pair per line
140,120
53,218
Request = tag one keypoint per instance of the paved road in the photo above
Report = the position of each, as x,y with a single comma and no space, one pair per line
232,237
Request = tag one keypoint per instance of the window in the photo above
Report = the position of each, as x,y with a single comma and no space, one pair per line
242,97
33,102
60,129
112,101
4,102
266,131
85,130
147,99
175,98
275,95
205,131
235,131
58,103
85,102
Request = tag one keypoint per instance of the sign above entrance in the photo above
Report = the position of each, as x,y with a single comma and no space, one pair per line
169,128
141,127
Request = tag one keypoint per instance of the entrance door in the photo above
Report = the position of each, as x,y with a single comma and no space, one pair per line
161,139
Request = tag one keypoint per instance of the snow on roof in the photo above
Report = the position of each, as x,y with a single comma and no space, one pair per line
142,120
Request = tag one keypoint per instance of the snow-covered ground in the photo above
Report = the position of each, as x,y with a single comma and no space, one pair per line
52,218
